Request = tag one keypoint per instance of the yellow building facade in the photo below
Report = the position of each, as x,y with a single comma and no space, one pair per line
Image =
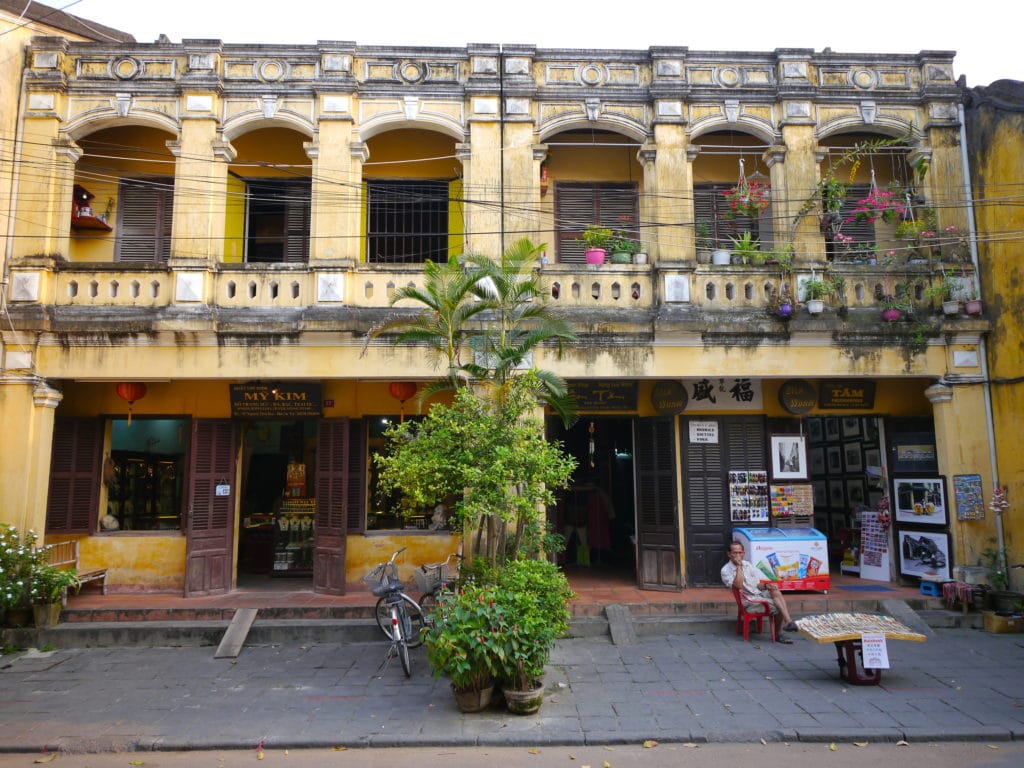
202,236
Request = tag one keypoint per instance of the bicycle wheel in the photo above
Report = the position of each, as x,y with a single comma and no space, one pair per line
416,622
383,615
400,620
428,603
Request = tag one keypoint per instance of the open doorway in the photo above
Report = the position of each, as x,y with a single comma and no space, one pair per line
278,504
596,514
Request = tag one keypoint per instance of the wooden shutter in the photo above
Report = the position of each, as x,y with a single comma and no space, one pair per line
296,222
144,214
710,207
656,509
861,232
578,205
708,525
340,494
211,517
73,498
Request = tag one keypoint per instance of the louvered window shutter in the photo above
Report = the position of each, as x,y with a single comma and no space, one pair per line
708,505
341,475
144,217
711,207
578,205
297,215
74,476
861,232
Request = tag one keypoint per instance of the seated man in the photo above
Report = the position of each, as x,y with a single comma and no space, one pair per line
740,574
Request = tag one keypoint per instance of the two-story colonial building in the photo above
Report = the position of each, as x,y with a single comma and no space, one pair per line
202,234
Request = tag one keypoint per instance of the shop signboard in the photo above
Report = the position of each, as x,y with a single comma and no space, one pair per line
604,395
853,394
265,400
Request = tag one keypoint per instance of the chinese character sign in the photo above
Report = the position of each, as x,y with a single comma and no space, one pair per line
714,393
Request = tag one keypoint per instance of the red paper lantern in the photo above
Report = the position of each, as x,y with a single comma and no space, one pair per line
402,390
131,391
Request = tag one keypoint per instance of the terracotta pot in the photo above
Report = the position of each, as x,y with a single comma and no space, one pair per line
595,255
473,700
524,702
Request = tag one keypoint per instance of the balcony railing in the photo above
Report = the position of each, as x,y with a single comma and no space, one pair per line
368,286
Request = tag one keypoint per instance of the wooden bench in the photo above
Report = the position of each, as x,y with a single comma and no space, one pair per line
64,554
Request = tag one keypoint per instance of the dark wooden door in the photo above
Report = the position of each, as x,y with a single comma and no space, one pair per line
740,445
210,522
657,514
340,493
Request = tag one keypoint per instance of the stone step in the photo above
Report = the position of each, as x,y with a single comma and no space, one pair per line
268,630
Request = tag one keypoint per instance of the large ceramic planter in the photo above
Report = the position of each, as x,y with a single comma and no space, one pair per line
524,702
621,257
473,700
47,615
891,315
595,256
973,307
815,306
950,307
721,257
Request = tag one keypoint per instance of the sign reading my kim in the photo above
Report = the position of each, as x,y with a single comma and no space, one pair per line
273,401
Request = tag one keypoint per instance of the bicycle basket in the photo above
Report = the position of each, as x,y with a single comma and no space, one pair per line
383,579
432,575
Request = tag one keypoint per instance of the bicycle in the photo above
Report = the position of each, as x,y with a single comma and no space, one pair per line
399,617
431,578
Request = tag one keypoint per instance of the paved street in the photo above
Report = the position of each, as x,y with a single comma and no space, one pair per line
960,685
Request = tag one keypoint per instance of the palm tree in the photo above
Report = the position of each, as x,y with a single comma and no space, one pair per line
496,310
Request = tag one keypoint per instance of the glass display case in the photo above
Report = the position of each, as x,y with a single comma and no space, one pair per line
144,492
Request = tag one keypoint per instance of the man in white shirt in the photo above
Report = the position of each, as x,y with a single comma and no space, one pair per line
740,574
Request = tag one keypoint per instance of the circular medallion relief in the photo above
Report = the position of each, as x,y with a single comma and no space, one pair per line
271,70
864,78
126,68
729,76
591,74
412,72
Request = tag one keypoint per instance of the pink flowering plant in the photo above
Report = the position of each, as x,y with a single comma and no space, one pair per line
749,199
881,204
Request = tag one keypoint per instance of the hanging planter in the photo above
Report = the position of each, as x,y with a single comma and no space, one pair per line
749,198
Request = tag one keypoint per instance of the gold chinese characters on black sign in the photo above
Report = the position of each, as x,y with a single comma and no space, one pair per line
275,401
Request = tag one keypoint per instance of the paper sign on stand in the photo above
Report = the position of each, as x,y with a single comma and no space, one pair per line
874,651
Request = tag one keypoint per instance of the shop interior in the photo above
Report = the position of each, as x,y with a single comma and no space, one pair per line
596,513
278,501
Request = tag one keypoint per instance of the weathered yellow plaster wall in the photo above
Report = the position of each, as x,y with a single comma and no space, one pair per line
996,139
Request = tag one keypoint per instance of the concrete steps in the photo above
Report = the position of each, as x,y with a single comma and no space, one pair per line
191,627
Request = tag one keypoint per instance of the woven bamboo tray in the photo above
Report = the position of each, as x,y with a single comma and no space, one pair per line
837,627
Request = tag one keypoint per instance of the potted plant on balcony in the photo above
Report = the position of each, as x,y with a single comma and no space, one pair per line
884,204
622,248
892,307
945,292
596,239
703,242
815,290
745,248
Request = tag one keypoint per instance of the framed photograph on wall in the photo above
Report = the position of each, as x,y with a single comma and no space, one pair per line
789,457
834,459
852,458
814,430
832,428
924,553
816,457
920,500
872,458
820,490
836,494
851,426
856,491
